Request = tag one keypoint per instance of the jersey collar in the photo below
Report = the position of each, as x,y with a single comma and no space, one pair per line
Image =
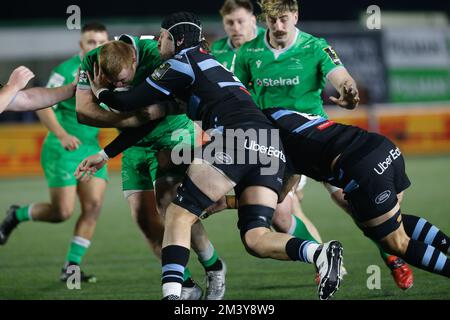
278,52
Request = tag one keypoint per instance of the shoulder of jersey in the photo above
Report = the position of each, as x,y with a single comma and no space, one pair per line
309,39
254,45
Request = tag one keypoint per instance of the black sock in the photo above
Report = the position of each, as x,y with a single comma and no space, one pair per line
420,229
174,259
216,266
427,257
296,249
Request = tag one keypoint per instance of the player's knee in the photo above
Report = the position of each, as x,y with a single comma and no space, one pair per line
252,243
191,198
390,234
281,220
254,221
396,243
61,213
92,207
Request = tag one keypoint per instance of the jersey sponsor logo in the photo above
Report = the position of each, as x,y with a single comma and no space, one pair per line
295,64
333,55
223,158
279,82
384,165
255,49
382,197
258,64
159,72
270,151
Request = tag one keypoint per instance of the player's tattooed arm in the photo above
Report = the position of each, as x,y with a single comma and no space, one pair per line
343,82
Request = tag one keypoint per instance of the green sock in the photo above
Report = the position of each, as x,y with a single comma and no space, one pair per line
383,254
187,274
298,229
77,249
22,213
208,257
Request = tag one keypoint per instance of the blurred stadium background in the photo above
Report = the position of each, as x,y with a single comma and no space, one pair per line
403,74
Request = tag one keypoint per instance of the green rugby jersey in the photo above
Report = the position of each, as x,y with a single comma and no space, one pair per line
65,112
224,51
148,60
291,78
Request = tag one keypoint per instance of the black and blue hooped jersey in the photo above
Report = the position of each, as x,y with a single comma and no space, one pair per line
312,142
213,93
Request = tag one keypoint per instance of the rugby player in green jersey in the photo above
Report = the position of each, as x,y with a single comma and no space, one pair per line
286,67
125,63
14,98
239,24
66,144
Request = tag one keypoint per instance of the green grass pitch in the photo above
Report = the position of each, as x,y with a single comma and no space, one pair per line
126,269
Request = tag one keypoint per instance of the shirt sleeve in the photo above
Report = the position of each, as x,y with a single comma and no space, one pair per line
329,60
83,80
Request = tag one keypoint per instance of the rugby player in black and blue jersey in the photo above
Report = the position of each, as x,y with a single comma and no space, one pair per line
252,162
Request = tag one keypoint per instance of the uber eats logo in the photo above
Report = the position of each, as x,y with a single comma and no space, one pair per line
269,82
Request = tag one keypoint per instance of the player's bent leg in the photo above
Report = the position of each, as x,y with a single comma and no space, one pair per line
59,210
388,230
400,270
255,213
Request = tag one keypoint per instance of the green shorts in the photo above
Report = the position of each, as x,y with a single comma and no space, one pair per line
140,167
59,164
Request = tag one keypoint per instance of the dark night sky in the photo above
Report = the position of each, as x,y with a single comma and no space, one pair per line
310,9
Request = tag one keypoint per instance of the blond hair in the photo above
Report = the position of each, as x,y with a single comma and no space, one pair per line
114,56
273,8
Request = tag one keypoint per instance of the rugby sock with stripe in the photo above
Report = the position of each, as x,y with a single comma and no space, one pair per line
427,257
298,229
209,259
420,229
174,260
77,249
301,250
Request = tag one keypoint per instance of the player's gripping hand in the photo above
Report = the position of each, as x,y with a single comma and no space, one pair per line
349,97
20,77
69,142
99,81
89,166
